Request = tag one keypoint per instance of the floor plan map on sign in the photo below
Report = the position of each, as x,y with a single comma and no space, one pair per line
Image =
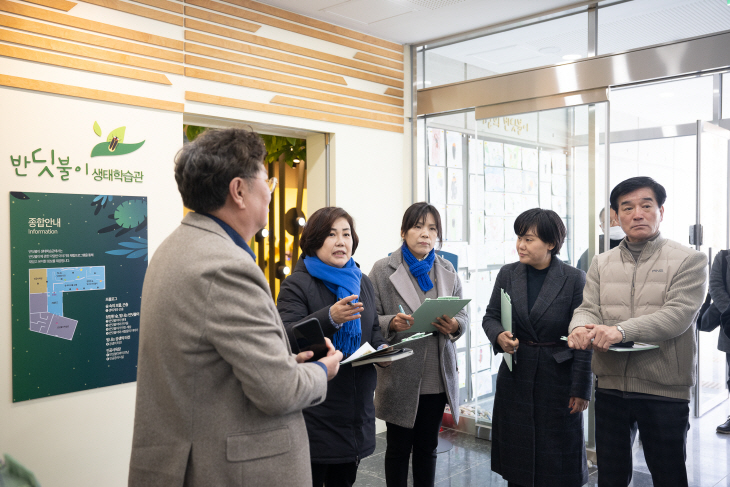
47,287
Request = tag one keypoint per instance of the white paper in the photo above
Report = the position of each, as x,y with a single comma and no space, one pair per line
476,156
560,206
437,185
494,179
476,192
484,383
493,154
476,227
509,228
512,156
482,261
560,164
529,182
482,337
546,201
545,165
454,223
495,253
364,350
483,361
510,251
454,149
494,228
494,203
436,150
512,204
529,159
560,187
512,181
455,187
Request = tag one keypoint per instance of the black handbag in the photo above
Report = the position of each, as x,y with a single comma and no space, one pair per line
710,317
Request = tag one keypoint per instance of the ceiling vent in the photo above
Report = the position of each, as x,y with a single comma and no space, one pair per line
434,4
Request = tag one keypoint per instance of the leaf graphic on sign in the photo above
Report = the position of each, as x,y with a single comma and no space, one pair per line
97,129
118,133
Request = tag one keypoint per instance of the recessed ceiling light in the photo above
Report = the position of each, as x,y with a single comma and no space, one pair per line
572,57
550,50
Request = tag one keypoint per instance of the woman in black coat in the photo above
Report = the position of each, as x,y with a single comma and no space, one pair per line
327,284
537,423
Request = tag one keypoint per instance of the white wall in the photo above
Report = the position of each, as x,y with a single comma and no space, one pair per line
82,438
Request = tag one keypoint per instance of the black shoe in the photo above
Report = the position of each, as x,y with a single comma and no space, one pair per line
724,428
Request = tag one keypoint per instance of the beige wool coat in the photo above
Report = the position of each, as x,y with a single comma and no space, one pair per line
219,393
397,392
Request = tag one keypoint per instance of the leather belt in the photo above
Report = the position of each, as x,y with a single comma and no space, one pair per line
542,344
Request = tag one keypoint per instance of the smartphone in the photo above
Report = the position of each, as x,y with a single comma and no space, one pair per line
308,336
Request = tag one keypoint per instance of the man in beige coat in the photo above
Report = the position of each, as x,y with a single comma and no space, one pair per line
219,392
648,289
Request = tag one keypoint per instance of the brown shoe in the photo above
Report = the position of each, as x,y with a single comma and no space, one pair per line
724,428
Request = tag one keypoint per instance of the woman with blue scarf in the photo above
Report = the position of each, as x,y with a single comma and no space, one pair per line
411,394
328,285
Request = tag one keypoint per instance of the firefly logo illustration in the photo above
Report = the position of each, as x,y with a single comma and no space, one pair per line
114,145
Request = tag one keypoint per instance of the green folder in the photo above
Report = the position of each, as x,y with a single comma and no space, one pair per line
431,309
506,312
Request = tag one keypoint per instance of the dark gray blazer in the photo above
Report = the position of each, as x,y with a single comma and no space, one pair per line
531,424
219,393
397,392
720,296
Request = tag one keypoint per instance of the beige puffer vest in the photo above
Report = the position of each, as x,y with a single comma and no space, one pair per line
653,304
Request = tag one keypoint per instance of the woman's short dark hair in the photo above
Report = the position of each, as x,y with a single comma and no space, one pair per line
632,184
416,213
205,167
318,228
546,224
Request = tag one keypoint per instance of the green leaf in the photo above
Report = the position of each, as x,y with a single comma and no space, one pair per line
292,141
102,149
193,131
97,129
118,133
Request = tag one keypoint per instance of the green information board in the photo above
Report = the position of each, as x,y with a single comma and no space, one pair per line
77,267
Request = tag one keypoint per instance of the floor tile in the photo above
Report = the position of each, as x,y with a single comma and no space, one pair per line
468,462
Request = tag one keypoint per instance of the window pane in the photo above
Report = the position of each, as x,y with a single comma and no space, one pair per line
662,104
642,23
514,50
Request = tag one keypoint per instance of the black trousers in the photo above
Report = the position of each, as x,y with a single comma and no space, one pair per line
663,426
423,439
334,475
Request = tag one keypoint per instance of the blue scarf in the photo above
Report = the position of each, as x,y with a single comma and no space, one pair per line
343,282
420,268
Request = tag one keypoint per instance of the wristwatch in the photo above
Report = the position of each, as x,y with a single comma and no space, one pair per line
623,333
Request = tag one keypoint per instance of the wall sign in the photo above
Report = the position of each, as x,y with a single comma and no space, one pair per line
48,163
77,267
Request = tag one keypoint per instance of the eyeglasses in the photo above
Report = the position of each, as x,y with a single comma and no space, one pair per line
271,183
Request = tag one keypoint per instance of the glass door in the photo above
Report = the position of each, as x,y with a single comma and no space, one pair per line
711,237
551,159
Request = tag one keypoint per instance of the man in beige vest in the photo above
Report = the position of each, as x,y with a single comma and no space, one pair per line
648,289
219,392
